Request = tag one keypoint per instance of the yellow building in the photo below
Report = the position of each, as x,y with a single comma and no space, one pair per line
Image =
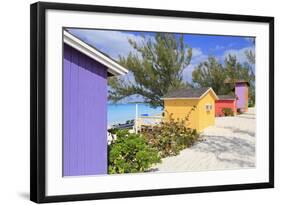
180,102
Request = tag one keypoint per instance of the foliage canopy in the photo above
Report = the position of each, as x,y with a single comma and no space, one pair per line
156,67
212,73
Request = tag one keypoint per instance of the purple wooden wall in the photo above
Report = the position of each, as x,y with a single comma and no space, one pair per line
84,115
241,91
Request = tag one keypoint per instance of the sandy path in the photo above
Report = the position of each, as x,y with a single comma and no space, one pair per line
230,144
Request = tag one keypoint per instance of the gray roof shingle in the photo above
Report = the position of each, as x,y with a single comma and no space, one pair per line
187,93
226,97
236,81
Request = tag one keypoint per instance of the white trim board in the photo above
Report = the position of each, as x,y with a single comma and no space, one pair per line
113,67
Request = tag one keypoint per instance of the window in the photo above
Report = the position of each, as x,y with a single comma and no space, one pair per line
208,107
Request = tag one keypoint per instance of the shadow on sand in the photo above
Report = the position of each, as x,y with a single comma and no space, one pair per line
229,149
240,131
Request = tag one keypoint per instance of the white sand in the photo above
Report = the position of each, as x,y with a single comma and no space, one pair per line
230,144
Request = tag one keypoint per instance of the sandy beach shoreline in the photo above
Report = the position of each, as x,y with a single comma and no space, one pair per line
230,144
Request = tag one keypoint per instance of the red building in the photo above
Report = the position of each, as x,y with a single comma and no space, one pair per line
225,101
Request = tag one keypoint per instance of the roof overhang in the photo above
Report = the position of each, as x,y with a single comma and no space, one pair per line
194,98
226,99
235,81
113,67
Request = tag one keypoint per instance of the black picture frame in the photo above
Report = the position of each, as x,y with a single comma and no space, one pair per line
38,101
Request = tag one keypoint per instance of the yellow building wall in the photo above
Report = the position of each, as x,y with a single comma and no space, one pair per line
199,119
206,118
179,108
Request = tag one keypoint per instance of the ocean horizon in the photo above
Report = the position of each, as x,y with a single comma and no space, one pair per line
120,113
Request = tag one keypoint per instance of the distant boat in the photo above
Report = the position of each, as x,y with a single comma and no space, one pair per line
127,125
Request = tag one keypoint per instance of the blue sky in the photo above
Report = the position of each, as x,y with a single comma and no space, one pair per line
115,43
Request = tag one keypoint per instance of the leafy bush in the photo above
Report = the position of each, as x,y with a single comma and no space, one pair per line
239,111
130,153
171,136
251,103
227,112
113,130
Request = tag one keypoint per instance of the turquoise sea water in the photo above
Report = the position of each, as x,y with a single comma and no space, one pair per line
120,113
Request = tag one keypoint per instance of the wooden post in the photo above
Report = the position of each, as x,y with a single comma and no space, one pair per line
136,119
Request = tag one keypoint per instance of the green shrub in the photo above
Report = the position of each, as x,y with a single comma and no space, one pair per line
227,112
251,103
239,111
131,153
171,136
113,130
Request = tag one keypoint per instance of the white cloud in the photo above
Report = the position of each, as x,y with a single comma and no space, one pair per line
239,53
218,47
113,43
249,39
197,57
196,52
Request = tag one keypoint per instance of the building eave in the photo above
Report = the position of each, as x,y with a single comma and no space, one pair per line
192,98
113,67
226,99
180,98
212,91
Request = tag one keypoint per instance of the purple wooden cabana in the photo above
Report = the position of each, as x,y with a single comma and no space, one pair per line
241,89
242,94
85,72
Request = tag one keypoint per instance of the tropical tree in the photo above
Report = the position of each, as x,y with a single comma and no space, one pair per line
156,67
235,70
213,74
210,73
251,58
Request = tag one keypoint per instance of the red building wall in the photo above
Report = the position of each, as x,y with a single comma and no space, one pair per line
220,104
